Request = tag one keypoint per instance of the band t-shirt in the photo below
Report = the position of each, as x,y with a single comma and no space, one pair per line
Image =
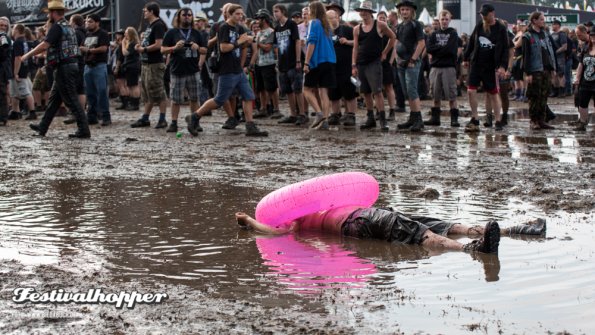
185,60
19,48
230,61
155,31
343,51
93,40
285,37
408,35
588,78
486,52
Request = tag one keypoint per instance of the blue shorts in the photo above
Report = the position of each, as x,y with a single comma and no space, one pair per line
226,85
409,77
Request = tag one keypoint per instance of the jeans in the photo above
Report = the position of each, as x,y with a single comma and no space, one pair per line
397,88
567,76
409,77
96,89
228,83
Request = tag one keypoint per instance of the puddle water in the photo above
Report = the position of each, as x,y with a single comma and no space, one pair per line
177,231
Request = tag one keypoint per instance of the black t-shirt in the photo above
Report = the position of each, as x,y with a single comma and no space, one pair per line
408,34
81,35
155,31
54,35
587,82
486,51
343,51
185,60
285,37
133,58
230,61
93,40
19,48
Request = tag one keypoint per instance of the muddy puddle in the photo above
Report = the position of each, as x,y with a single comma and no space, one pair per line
181,232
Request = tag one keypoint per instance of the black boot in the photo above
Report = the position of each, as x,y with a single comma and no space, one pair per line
504,121
435,118
133,104
124,104
418,122
537,227
409,122
454,117
370,122
549,115
383,123
32,115
391,115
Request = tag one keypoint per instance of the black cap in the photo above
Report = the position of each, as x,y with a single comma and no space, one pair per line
486,8
296,14
119,32
588,24
556,21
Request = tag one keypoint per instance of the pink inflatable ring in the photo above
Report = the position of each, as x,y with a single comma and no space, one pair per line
317,194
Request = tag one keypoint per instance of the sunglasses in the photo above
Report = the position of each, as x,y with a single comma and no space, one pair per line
186,14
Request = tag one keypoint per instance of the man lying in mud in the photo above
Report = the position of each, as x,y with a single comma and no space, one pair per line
396,227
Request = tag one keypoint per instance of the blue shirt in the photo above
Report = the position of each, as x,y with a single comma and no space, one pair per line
324,51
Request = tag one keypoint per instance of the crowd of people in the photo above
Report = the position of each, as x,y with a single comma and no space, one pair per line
318,62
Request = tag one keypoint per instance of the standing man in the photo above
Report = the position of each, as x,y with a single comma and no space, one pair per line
62,52
5,70
289,64
487,52
560,45
232,40
539,61
183,44
77,22
20,84
153,68
444,46
95,51
410,46
366,61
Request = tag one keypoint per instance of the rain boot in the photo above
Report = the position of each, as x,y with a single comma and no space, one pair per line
383,123
370,122
124,104
418,122
391,115
409,122
454,117
435,118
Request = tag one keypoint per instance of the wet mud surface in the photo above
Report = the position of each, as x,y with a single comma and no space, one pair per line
139,209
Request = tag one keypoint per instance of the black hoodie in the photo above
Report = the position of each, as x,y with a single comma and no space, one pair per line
443,45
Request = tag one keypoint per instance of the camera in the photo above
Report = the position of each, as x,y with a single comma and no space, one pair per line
187,45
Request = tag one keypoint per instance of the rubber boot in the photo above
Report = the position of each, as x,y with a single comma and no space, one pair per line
370,122
124,104
133,104
435,118
549,115
32,115
454,117
409,122
418,122
383,123
504,121
391,115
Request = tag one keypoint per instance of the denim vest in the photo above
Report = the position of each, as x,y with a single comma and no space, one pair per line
67,49
535,63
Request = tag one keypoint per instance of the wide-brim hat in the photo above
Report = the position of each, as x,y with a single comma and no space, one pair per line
407,3
336,5
55,5
366,6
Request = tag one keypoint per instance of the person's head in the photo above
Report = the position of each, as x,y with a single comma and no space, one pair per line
29,34
119,36
183,18
381,16
444,17
279,12
336,6
582,33
200,22
317,11
92,22
488,14
263,21
18,30
306,14
151,11
393,17
556,25
537,20
40,32
77,21
366,11
333,18
407,10
436,24
592,38
297,17
235,13
131,35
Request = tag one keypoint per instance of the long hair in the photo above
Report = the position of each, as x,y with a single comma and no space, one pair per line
317,11
131,37
177,22
486,24
413,14
534,16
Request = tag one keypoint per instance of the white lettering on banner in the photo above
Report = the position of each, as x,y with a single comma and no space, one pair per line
22,6
76,4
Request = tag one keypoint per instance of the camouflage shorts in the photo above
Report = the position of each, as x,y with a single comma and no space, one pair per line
152,87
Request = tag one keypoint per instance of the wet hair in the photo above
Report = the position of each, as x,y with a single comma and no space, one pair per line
177,22
153,7
78,20
281,8
317,11
232,8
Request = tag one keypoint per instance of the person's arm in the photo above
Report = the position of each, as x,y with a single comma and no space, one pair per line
254,58
42,47
246,221
298,48
526,57
563,44
421,44
354,52
386,31
579,74
309,52
433,47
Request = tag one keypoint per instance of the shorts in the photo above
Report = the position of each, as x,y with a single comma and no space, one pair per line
291,81
226,85
344,89
40,83
131,76
370,76
265,78
152,88
487,77
387,74
20,89
376,223
321,76
517,70
179,85
444,83
584,96
409,78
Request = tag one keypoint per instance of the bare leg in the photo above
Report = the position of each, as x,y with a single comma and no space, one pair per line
433,241
175,111
496,105
291,100
473,103
379,99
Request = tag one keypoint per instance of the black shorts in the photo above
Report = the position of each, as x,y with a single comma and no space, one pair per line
266,78
132,76
321,76
376,223
345,89
483,76
387,74
584,96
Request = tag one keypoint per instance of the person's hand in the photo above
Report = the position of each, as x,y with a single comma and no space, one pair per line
529,79
465,64
354,71
84,49
298,67
245,38
343,40
507,75
194,46
501,72
382,57
411,64
306,69
17,78
179,45
138,48
243,220
576,82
